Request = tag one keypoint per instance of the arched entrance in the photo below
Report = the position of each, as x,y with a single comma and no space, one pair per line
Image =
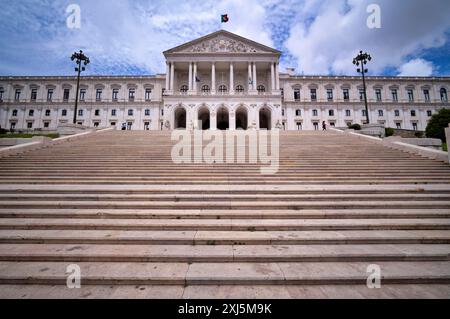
223,119
204,117
180,118
265,119
241,118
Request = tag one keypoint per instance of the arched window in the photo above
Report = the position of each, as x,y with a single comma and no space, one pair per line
261,89
239,89
444,97
184,89
205,89
147,112
14,113
223,89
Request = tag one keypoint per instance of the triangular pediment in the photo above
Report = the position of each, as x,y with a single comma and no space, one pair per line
222,42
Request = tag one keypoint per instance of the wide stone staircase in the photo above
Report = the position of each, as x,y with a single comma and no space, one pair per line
140,226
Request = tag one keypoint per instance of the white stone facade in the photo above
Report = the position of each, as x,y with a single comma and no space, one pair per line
227,82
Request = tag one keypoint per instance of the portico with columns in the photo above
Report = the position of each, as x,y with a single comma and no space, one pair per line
219,75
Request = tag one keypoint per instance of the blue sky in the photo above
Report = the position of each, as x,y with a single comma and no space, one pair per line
127,37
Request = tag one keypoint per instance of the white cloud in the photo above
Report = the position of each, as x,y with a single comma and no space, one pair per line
338,31
416,67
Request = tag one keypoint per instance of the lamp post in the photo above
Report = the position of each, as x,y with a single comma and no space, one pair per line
80,59
362,59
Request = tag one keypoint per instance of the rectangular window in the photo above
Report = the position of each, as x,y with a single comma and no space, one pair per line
17,95
397,113
297,94
13,126
49,94
148,94
66,95
414,125
64,113
346,94
410,95
97,113
115,95
82,94
378,95
14,113
315,113
298,112
299,126
30,125
398,125
348,113
331,112
1,95
162,112
316,126
129,126
80,112
146,126
113,112
31,113
33,94
283,112
130,112
46,124
426,95
380,113
330,94
413,113
394,95
313,95
47,112
98,95
364,113
429,113
147,112
96,124
131,94
361,95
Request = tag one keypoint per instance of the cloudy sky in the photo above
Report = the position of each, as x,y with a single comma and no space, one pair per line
127,37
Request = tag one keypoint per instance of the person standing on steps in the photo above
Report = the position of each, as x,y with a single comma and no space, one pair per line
324,126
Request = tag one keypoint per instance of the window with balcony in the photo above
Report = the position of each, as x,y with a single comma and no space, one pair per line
82,94
239,89
410,95
13,126
115,95
64,113
330,94
131,94
14,113
33,95
205,89
378,95
299,126
426,95
98,95
31,113
346,93
444,97
394,95
261,89
47,112
148,94
147,112
184,89
313,94
49,95
223,89
17,95
66,95
297,94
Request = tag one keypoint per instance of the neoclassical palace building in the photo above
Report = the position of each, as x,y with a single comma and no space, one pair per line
226,82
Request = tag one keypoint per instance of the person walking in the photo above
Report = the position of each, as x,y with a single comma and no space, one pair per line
324,126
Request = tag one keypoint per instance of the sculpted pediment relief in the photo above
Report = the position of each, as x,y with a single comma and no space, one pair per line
221,44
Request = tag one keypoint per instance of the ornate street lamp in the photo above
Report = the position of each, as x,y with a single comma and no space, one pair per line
361,60
80,59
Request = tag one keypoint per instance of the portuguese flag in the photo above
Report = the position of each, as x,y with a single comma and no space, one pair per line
225,18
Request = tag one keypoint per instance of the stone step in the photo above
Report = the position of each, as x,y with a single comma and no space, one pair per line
222,253
278,214
224,224
127,237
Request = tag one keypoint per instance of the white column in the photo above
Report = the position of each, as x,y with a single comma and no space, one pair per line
250,78
213,78
231,78
255,85
167,76
172,76
277,76
190,76
272,75
194,79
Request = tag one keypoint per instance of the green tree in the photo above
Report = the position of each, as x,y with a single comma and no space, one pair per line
438,123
